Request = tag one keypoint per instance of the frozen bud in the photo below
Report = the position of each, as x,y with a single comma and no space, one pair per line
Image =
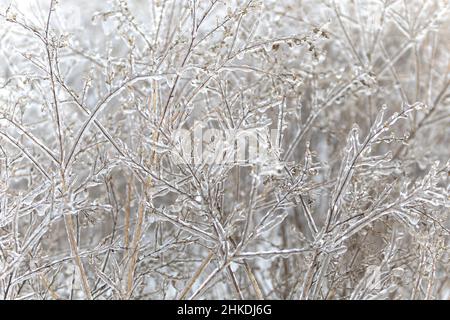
398,272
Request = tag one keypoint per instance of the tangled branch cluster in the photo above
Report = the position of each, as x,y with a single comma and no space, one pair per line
101,199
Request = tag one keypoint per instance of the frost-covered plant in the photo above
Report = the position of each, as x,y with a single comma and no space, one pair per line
210,149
